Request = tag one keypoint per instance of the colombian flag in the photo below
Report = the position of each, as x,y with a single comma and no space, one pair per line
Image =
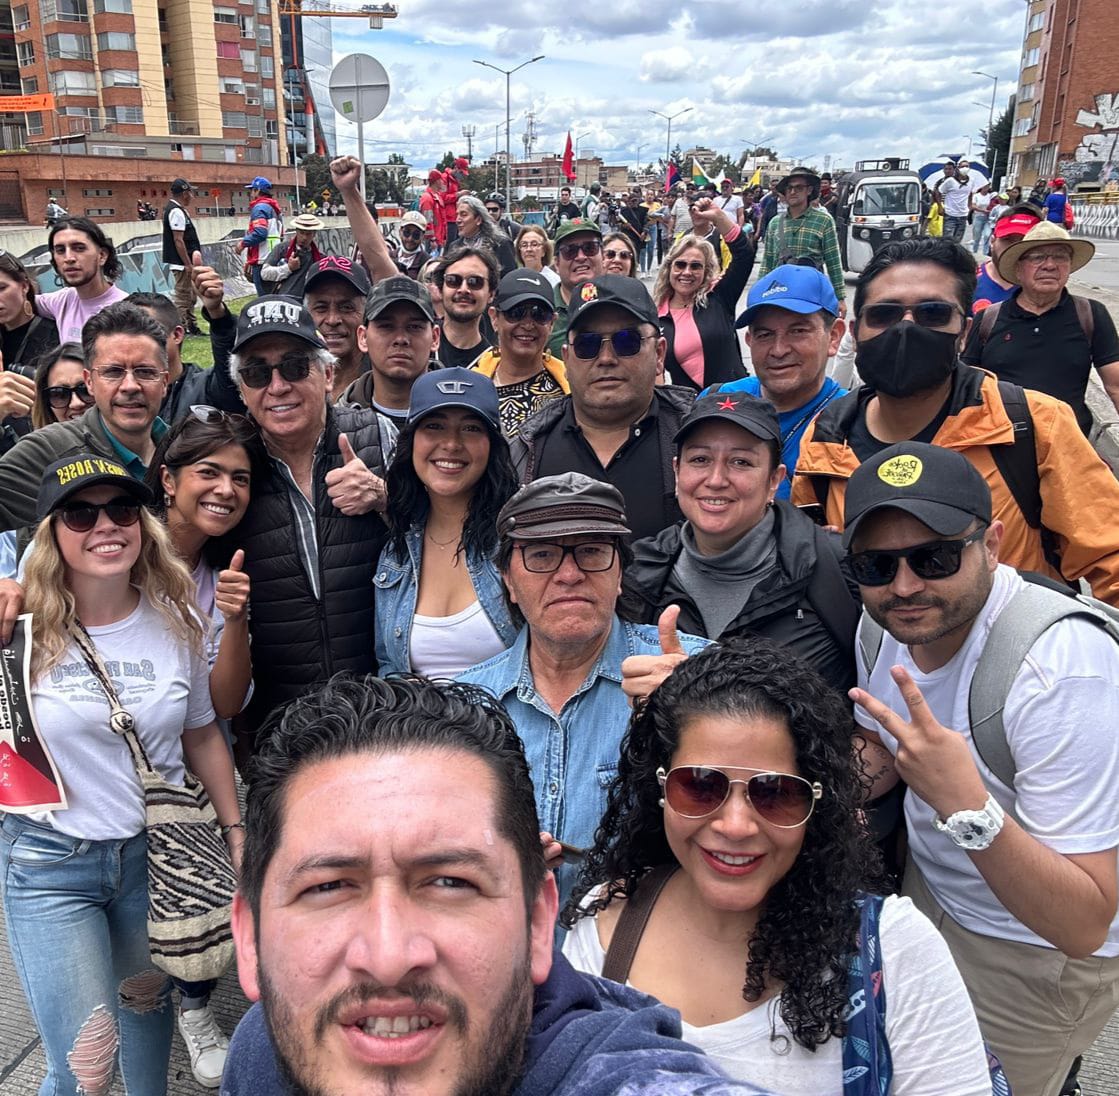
672,176
699,176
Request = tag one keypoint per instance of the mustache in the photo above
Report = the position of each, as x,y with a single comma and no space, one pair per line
421,993
919,601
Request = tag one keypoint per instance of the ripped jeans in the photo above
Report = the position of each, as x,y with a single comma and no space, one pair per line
76,913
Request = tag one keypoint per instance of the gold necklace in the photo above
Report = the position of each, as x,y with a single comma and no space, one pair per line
442,545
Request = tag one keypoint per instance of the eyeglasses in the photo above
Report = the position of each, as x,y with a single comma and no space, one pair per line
794,187
473,281
543,557
1058,255
936,559
925,314
59,395
532,242
538,313
80,517
781,799
292,369
411,232
626,343
624,253
590,248
141,374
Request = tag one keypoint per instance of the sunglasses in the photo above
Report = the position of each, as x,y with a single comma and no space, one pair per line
260,376
538,313
610,253
411,232
680,265
543,558
590,248
925,314
937,559
141,374
781,799
203,412
473,281
80,517
626,343
59,395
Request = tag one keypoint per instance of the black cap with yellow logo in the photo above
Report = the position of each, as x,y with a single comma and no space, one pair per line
81,470
939,487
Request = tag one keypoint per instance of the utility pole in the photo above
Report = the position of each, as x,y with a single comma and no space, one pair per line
468,132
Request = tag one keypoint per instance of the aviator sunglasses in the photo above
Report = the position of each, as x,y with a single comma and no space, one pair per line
80,517
936,559
626,343
781,799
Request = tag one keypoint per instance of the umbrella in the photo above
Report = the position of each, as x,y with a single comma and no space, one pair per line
933,172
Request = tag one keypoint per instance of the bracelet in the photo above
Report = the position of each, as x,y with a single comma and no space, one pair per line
232,826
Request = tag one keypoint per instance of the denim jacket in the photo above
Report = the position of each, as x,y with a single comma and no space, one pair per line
572,757
396,584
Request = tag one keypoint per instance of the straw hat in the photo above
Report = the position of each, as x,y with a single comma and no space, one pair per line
306,222
1042,234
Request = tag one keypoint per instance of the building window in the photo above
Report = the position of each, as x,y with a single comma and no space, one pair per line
264,7
29,85
120,7
1025,93
248,26
1031,58
233,119
272,128
72,83
129,116
21,17
25,53
229,50
71,47
119,78
99,212
97,192
1023,126
264,34
266,67
255,128
270,98
225,15
1037,21
34,124
67,11
116,40
232,86
248,60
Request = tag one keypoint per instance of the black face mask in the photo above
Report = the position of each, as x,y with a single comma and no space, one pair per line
906,359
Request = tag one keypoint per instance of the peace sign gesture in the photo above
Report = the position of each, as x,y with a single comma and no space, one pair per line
932,759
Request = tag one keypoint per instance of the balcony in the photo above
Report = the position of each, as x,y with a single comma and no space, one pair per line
180,127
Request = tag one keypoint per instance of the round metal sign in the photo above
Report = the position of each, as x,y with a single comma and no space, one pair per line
359,87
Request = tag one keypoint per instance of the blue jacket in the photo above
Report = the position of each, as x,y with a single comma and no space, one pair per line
589,1037
572,757
396,585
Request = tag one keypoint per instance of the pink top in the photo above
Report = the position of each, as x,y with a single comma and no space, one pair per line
686,343
70,312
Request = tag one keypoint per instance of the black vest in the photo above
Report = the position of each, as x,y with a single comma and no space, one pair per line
190,237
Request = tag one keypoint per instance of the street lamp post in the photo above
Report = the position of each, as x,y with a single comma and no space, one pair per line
577,140
990,114
508,73
668,140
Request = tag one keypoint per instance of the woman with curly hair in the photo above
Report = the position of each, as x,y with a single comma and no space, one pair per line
697,306
738,794
440,606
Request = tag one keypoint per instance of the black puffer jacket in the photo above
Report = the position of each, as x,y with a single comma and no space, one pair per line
808,604
298,641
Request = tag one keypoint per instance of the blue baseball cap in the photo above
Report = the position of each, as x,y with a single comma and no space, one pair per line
455,387
259,183
795,288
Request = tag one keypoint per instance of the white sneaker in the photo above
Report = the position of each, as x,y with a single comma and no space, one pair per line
207,1045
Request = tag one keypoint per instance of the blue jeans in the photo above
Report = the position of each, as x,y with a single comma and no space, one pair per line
649,251
76,913
954,227
258,281
978,231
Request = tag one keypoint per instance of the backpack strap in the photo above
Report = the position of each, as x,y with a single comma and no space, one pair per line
840,614
1085,316
870,641
987,320
632,921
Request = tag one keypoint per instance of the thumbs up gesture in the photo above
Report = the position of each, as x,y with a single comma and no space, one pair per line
353,488
231,594
641,674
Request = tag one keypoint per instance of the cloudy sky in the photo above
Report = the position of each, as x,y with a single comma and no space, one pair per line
847,78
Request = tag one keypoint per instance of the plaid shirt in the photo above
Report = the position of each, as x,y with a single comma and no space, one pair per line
810,235
306,536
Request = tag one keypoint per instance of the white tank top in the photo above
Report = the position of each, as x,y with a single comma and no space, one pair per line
446,646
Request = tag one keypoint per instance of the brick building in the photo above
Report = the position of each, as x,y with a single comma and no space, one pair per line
547,172
1067,109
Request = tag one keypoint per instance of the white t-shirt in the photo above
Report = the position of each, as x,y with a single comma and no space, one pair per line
165,686
1061,720
70,312
982,202
730,206
444,647
929,1020
177,222
682,212
955,194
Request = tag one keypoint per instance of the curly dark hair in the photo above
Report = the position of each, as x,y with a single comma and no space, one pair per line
111,269
806,934
409,505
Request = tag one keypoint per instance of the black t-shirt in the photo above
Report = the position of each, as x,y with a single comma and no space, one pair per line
866,446
1049,353
569,210
450,356
635,470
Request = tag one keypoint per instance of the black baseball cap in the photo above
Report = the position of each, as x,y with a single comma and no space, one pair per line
524,285
179,186
76,472
454,387
616,290
277,314
751,413
939,487
562,506
339,266
399,288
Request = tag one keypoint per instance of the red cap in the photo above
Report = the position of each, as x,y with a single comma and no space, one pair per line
462,163
434,176
1017,224
1058,181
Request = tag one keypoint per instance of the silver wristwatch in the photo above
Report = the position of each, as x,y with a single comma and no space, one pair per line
973,830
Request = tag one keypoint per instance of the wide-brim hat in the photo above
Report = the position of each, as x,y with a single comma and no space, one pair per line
306,222
799,173
1042,234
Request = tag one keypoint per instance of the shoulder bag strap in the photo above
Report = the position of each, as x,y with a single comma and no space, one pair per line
987,320
870,641
632,921
1085,317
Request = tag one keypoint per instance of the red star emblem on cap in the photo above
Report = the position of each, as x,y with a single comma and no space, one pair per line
727,405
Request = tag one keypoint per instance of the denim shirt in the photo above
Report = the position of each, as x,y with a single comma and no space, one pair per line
572,757
396,583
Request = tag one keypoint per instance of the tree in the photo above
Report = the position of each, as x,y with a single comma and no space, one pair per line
999,141
447,161
317,169
726,166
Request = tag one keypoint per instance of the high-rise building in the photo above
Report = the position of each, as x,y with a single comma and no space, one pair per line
308,56
1067,108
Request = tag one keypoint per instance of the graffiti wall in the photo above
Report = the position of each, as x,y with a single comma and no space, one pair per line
1096,158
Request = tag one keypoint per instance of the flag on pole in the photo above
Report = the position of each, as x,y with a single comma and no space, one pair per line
671,177
756,178
699,176
568,167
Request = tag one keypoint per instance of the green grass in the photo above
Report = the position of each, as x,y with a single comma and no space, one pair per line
196,348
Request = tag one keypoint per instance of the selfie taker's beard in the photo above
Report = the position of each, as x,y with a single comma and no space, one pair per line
491,1066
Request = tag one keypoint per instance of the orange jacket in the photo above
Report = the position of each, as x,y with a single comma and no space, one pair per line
1079,494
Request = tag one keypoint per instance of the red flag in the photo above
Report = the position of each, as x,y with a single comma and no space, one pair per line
568,166
671,176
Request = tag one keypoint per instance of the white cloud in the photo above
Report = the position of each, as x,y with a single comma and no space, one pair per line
667,66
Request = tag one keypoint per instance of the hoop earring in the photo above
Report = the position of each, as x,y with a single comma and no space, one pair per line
660,802
28,309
